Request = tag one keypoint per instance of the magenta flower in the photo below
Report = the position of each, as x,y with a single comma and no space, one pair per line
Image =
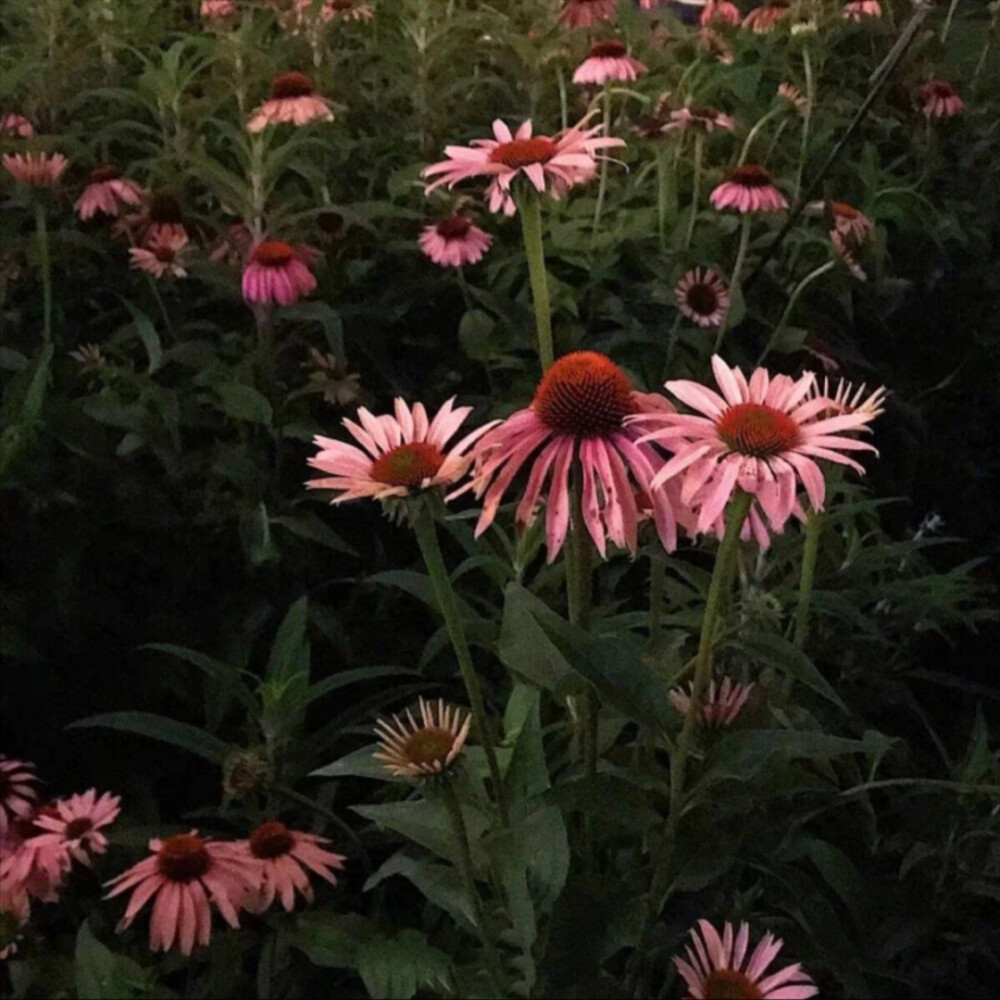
723,704
938,98
858,10
284,856
763,19
584,13
277,272
702,296
608,60
293,99
454,241
579,412
399,455
215,9
38,864
186,876
748,189
105,191
35,169
75,824
720,12
18,795
719,967
551,164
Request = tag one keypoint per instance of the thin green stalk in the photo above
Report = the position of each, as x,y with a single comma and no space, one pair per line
664,187
563,98
461,833
754,132
734,278
793,299
46,267
602,187
154,288
530,211
806,120
810,552
699,145
426,532
947,21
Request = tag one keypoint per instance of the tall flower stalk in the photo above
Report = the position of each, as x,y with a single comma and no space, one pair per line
602,186
45,264
806,120
734,278
530,211
699,145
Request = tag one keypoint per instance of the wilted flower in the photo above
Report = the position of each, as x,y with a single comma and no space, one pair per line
333,378
652,126
719,967
35,169
938,98
105,191
794,97
608,60
412,749
454,241
161,255
748,189
245,770
723,704
293,99
277,272
89,356
702,119
702,296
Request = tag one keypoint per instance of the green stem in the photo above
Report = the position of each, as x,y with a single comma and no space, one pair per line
754,132
154,288
810,551
734,279
426,532
793,299
530,210
664,179
46,266
699,145
657,584
947,21
602,187
563,99
461,833
806,120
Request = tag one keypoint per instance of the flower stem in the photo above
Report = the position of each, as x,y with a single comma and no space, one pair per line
753,133
947,21
602,187
796,293
734,279
530,210
810,551
426,532
461,833
663,192
46,267
806,119
699,145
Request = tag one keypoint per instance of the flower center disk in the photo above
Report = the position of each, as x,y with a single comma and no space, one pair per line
455,227
728,984
272,253
76,828
430,745
702,299
750,176
757,430
408,465
271,840
183,858
523,152
288,85
584,394
104,174
609,49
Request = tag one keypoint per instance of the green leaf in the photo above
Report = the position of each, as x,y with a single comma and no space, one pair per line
102,975
244,402
290,653
148,335
789,659
357,764
306,524
441,884
476,333
355,676
330,940
394,968
741,754
255,536
524,645
527,774
224,674
159,727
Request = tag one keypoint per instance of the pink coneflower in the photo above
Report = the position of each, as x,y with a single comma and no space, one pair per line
584,13
293,100
579,412
105,190
938,97
552,164
723,704
794,97
399,455
284,855
848,399
35,169
90,357
702,296
720,12
857,10
75,823
232,244
277,272
39,864
17,794
608,60
711,41
161,256
454,241
761,436
11,123
412,749
15,909
763,19
703,119
748,189
719,967
187,875
162,219
653,125
213,10
347,10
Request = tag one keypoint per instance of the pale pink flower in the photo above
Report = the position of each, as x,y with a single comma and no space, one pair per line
105,191
850,222
551,164
584,13
412,749
293,99
90,356
399,455
38,864
11,123
720,967
187,875
579,412
748,189
454,241
15,909
75,823
213,10
857,10
938,97
723,704
848,399
283,856
711,41
720,12
608,60
35,169
160,219
17,794
702,119
702,296
763,19
761,436
794,97
277,272
161,255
